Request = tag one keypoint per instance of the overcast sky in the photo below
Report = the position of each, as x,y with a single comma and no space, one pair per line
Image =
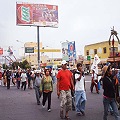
82,21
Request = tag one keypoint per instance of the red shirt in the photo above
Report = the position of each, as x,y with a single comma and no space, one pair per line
64,77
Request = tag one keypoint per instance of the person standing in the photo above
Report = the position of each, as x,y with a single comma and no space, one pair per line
23,79
94,81
109,93
64,87
37,79
46,87
80,94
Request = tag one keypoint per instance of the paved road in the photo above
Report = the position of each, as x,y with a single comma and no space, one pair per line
21,105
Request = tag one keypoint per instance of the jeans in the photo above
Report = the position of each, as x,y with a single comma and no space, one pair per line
112,102
37,93
80,100
54,79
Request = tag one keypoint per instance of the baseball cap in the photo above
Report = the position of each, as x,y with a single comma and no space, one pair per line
63,62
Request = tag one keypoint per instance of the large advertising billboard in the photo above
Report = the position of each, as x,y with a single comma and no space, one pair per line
43,15
71,51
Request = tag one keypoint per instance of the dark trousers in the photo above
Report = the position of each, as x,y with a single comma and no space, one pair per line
18,84
95,83
8,83
23,85
45,97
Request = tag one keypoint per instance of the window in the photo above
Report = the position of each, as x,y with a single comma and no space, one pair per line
104,50
95,51
87,52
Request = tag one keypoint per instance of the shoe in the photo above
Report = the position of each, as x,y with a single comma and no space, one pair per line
38,103
78,114
67,118
83,113
61,114
97,92
49,110
43,106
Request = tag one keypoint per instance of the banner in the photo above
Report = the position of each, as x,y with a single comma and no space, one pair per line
95,64
65,51
1,51
71,51
37,14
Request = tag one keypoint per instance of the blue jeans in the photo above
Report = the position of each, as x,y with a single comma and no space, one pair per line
80,100
112,102
37,93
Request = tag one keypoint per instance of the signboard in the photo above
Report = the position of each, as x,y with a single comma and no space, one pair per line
43,15
29,49
88,57
48,50
1,51
71,51
65,51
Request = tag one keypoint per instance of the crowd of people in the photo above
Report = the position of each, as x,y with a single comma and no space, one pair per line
70,87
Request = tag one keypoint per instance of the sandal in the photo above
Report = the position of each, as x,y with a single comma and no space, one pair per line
67,118
61,114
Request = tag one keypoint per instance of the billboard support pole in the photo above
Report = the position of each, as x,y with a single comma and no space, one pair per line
38,42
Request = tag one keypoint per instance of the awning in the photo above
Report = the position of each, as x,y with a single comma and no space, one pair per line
112,60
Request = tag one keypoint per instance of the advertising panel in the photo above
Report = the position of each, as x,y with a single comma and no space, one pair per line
29,49
43,15
71,51
1,51
65,51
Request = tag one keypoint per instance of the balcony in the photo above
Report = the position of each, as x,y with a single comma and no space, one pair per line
116,54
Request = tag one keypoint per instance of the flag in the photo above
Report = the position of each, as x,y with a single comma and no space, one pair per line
96,59
95,64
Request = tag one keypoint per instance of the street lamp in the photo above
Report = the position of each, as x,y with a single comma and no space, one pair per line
113,33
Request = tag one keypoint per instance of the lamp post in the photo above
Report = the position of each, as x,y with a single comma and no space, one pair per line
113,33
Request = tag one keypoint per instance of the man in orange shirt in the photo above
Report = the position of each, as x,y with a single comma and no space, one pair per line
64,87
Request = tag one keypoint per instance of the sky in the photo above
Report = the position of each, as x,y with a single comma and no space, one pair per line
83,21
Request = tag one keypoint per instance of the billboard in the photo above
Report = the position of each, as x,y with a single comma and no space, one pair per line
1,51
29,49
71,51
43,15
65,51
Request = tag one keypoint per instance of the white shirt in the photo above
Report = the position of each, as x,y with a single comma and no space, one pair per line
23,77
95,76
79,84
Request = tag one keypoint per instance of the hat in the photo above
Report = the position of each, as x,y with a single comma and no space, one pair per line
63,62
104,69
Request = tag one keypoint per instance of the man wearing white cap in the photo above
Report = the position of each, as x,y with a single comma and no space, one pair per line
64,86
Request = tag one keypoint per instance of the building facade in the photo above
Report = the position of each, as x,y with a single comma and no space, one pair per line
103,50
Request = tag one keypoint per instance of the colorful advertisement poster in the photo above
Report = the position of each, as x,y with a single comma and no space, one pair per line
65,51
37,15
71,51
1,51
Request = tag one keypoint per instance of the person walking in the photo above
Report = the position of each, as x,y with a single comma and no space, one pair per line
46,87
54,73
8,75
37,79
23,80
80,94
18,78
109,93
94,82
64,86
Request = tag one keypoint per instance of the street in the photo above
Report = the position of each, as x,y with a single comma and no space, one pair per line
21,105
